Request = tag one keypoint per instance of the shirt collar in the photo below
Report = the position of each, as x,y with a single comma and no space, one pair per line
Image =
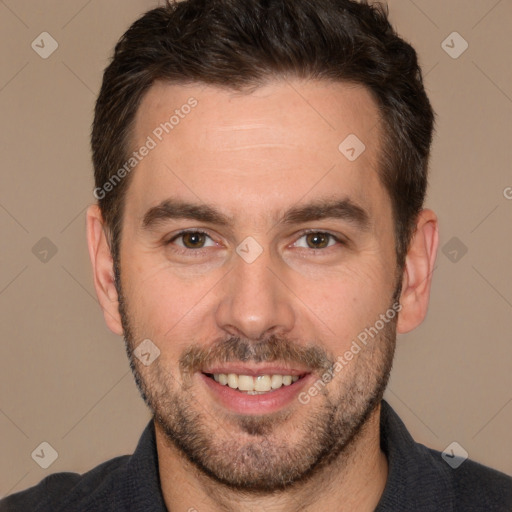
417,479
144,491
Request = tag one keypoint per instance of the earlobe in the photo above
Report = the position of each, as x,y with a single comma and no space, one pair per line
419,266
103,271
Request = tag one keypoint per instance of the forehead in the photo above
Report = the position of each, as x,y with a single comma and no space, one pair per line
293,108
282,141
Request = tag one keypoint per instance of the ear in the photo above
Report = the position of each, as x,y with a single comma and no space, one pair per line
103,269
417,278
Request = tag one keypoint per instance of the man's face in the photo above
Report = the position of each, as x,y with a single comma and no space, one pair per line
261,286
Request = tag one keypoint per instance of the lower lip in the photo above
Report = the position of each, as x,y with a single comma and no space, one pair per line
266,403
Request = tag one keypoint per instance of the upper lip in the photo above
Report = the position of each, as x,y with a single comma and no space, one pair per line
254,370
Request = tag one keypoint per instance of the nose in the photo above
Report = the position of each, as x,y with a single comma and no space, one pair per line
255,301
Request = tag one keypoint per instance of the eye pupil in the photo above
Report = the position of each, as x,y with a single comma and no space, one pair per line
193,240
318,240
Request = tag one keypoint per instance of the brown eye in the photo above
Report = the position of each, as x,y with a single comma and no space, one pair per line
193,240
318,240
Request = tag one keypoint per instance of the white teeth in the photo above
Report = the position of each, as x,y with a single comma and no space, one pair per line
287,380
245,383
254,385
232,380
277,381
262,383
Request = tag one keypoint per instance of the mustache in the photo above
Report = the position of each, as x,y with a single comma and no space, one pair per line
236,349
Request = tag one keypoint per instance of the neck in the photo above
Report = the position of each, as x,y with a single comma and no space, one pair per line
353,481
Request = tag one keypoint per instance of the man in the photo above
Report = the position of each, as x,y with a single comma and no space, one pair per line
259,240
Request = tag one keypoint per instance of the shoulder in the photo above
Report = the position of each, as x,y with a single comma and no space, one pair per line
129,482
422,479
476,484
53,491
475,487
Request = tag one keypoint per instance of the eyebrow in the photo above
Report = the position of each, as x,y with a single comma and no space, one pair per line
343,209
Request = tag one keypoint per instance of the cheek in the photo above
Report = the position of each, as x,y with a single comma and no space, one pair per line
342,304
161,303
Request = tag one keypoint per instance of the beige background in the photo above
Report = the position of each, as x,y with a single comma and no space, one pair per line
64,378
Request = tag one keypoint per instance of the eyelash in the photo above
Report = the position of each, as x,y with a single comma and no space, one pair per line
199,251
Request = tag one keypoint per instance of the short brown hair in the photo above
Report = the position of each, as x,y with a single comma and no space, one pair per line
241,44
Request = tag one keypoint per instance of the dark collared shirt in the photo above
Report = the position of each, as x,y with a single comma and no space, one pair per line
419,480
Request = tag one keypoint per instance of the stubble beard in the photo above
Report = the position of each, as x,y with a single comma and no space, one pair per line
253,453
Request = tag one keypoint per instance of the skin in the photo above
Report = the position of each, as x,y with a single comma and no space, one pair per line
252,157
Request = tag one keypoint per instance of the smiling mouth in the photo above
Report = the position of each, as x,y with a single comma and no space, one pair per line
254,385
